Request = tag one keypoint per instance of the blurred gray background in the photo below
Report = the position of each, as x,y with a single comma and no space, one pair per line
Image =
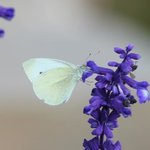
68,30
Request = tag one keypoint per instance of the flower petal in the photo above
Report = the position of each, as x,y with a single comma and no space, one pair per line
129,47
119,50
98,130
6,13
143,95
2,32
92,144
88,109
109,145
113,64
93,122
134,56
86,74
114,115
108,132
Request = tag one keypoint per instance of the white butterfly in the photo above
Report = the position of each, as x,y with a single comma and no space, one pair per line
53,80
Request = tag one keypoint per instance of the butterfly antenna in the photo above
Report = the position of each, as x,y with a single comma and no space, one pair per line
90,54
94,54
87,58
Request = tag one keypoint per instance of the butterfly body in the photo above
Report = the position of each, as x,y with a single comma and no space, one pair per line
53,80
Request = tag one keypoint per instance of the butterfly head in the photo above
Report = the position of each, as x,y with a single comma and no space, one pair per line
83,68
80,70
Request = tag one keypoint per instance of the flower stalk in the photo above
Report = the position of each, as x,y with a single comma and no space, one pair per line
112,98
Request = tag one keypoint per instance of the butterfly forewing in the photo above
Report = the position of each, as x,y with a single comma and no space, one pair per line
36,66
53,80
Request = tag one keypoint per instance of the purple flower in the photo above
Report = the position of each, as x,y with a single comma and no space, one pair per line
129,47
143,95
141,87
112,98
96,69
95,102
109,145
86,75
118,104
104,122
6,13
92,144
2,33
113,64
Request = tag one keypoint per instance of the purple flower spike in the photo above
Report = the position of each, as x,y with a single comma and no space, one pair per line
2,32
111,98
6,13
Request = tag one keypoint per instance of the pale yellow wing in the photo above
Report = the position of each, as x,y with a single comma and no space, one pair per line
55,87
34,67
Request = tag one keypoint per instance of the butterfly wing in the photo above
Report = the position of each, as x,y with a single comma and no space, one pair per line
53,80
36,66
55,86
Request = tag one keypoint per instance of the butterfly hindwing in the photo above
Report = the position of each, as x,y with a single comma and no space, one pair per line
55,86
